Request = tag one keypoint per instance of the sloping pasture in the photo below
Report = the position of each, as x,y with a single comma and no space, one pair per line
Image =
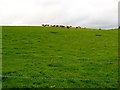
50,57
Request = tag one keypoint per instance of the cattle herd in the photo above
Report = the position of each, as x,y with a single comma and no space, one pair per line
47,25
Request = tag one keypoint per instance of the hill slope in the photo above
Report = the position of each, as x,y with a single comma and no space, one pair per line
41,57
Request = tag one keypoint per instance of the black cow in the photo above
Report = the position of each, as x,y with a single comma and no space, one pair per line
62,26
78,27
68,27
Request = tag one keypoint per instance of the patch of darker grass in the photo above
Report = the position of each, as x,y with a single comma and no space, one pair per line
54,32
18,52
98,35
71,81
4,78
7,73
14,40
58,50
53,65
16,48
42,73
50,46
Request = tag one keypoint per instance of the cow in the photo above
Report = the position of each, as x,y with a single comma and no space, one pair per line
43,25
62,26
56,25
53,25
67,27
78,27
47,24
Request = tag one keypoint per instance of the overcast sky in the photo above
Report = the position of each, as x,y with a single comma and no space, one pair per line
85,13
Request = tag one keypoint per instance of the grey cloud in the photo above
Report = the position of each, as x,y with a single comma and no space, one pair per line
86,13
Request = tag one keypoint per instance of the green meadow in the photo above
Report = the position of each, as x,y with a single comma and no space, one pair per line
54,57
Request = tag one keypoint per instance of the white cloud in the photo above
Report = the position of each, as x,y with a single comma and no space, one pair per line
86,13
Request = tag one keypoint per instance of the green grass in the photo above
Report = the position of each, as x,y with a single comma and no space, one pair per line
49,57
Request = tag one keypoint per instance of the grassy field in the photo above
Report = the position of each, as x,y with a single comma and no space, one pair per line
49,57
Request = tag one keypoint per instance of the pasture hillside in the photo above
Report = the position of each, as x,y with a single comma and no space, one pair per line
54,57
